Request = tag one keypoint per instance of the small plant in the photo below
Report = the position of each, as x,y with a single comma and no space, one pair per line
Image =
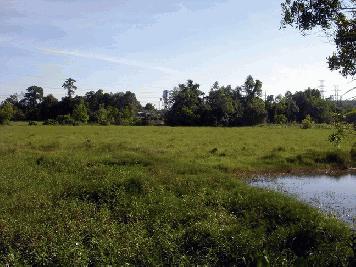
307,123
32,123
336,137
213,151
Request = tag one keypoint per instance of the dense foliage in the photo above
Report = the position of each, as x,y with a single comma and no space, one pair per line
335,17
100,107
225,106
188,105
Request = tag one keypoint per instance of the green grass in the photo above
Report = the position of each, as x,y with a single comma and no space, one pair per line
94,195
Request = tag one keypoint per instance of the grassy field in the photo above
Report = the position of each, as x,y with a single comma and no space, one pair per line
94,195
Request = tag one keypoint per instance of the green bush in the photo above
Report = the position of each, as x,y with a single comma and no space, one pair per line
32,123
50,122
307,123
281,119
6,113
351,117
67,120
80,113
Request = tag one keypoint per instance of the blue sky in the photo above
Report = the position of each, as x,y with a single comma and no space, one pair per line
146,46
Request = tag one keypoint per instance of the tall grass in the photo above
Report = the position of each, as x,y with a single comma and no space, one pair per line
162,196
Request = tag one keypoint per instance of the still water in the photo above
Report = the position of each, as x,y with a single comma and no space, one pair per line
334,195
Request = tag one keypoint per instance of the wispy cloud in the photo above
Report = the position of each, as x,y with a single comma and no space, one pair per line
5,39
110,59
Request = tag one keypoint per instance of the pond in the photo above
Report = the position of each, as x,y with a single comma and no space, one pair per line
334,195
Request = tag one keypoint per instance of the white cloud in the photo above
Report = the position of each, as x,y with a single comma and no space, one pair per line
110,59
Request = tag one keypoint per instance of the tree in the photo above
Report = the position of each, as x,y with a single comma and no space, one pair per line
350,117
254,111
310,103
49,107
221,104
292,109
150,107
129,105
70,87
33,96
6,112
80,112
18,106
252,88
102,116
186,105
336,18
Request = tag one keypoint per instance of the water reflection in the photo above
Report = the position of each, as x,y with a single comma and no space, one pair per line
335,195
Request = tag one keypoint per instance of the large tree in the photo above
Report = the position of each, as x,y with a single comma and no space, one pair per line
221,104
31,101
33,96
252,88
49,107
70,87
337,18
186,103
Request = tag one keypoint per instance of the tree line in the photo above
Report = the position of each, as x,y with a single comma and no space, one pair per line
187,106
243,105
98,107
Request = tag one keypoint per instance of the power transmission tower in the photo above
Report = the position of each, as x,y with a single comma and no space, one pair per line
337,90
322,88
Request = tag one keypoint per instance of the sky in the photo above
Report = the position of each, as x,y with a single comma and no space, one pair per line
150,46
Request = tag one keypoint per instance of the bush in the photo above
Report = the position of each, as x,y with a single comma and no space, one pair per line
6,113
351,117
66,120
50,122
307,123
336,158
32,123
80,113
281,119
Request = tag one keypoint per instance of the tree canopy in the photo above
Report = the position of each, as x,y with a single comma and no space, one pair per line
70,86
337,18
223,105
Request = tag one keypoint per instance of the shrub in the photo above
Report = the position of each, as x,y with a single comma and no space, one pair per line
281,119
80,113
50,122
32,123
6,113
66,120
307,123
336,137
337,158
103,116
351,117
